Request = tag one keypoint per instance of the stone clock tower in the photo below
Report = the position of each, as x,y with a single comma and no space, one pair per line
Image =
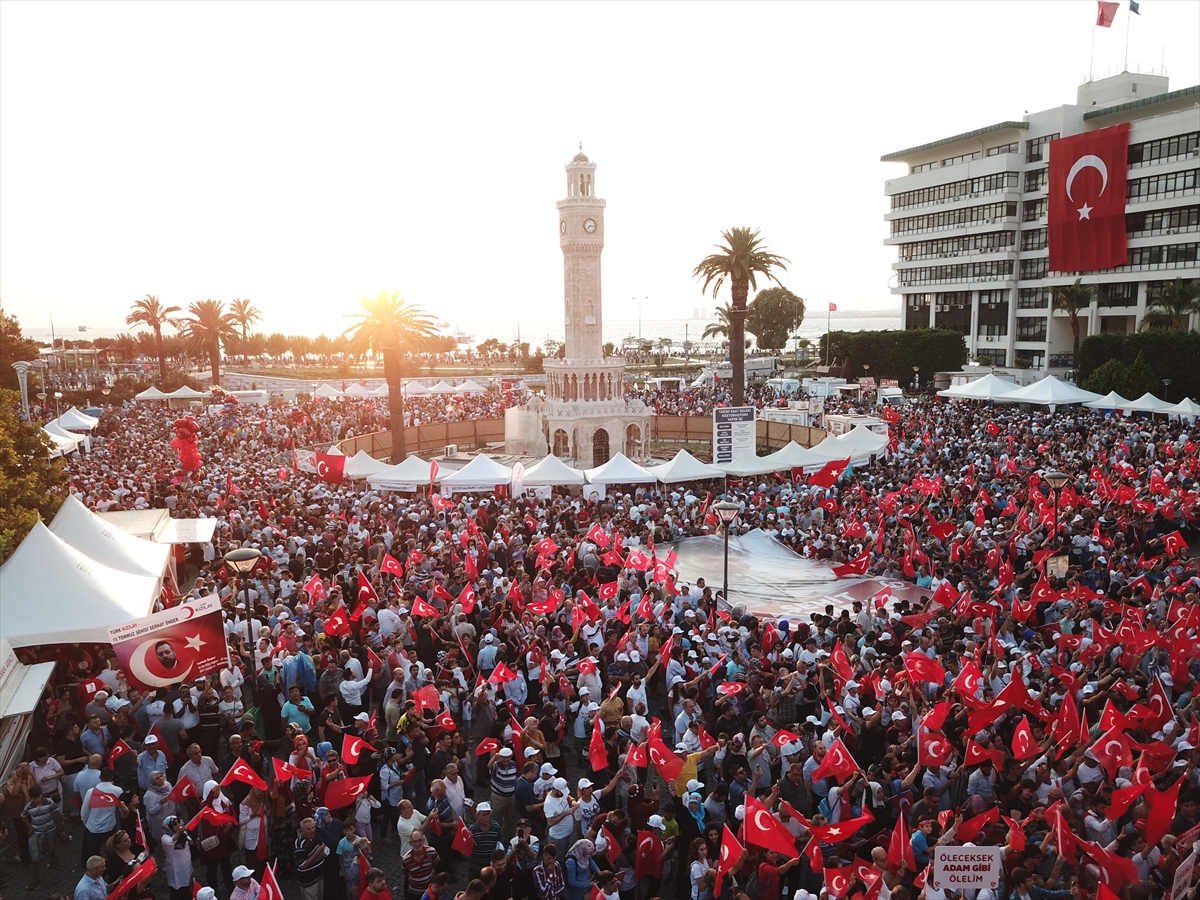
586,416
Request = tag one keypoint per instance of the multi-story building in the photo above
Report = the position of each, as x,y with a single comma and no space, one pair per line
969,222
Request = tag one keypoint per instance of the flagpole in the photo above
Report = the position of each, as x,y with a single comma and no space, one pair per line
1127,19
1092,58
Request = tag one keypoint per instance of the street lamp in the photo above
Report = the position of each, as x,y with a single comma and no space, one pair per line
243,562
916,378
1057,480
727,512
57,397
1166,388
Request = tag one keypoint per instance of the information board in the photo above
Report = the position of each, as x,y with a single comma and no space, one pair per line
733,432
967,868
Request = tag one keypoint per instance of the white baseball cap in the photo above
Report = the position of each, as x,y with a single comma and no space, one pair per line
655,822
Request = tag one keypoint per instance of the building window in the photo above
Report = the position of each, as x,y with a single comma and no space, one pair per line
1036,180
956,190
1170,184
1014,147
1032,210
1033,298
991,242
982,271
990,357
993,330
1123,293
1031,329
924,167
1035,149
1163,221
1030,359
1062,361
1169,257
988,214
966,157
1164,150
1034,239
1034,268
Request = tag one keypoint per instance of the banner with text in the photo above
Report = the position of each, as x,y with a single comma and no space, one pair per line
967,868
733,432
179,644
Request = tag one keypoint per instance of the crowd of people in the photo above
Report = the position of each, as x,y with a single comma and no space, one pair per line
495,697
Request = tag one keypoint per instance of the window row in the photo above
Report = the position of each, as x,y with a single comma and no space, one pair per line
1035,268
981,271
1163,220
956,190
1164,149
965,157
987,214
1033,298
1035,149
1034,239
990,357
1170,256
992,242
1032,210
1031,329
1164,185
1004,148
1121,293
1037,180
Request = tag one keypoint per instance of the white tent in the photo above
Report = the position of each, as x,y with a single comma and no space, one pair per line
470,387
552,472
415,389
408,475
77,439
328,392
1185,408
107,544
1111,400
833,448
620,470
862,438
791,456
748,463
362,465
443,387
685,467
150,393
183,392
1147,403
1050,391
53,594
480,474
62,445
381,391
357,390
989,387
74,420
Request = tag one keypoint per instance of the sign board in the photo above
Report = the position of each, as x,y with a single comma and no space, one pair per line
889,382
1183,876
867,384
1056,566
733,432
967,868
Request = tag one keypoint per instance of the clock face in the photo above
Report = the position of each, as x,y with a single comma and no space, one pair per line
589,226
562,226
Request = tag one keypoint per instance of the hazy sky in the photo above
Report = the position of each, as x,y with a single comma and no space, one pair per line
305,155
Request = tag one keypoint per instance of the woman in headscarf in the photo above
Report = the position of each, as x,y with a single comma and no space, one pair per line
580,869
689,814
157,807
177,853
284,808
303,758
252,819
216,838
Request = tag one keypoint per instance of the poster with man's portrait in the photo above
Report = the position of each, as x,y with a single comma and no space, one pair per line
178,644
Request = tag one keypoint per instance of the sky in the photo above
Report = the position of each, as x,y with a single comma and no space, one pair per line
306,155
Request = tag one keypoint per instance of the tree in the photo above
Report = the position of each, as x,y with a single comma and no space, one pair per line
772,317
14,347
277,345
490,349
1073,299
893,353
244,312
739,260
30,482
154,315
1172,305
719,328
125,346
1170,353
209,327
391,327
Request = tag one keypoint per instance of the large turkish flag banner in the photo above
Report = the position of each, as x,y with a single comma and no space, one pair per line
1087,200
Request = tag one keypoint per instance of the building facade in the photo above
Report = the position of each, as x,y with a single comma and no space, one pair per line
969,224
586,416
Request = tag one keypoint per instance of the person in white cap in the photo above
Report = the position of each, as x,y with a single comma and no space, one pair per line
559,810
245,886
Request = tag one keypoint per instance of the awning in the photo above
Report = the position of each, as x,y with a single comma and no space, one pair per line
187,531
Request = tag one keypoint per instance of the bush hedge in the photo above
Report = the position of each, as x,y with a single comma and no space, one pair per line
1173,354
892,354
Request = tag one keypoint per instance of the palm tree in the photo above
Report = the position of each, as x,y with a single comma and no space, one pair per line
391,327
243,312
739,259
151,313
719,328
1073,299
208,328
1173,304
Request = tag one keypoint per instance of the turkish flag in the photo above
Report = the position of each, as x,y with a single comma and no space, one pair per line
269,889
501,674
366,593
463,842
968,829
1112,751
342,793
467,599
597,751
210,815
104,800
762,829
1106,12
829,473
1162,811
284,771
837,763
353,747
731,852
316,588
668,764
391,565
183,790
838,881
812,852
597,536
487,745
637,560
975,754
933,749
338,623
856,566
637,756
120,748
544,607
840,831
331,467
920,667
143,871
783,736
1087,198
241,771
900,851
608,590
1023,744
423,608
649,856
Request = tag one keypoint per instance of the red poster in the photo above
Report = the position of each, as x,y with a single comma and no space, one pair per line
166,648
1087,200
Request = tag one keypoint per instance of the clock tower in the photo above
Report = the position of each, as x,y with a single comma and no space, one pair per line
586,415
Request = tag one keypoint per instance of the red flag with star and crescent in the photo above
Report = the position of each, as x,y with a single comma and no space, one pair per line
1086,221
649,855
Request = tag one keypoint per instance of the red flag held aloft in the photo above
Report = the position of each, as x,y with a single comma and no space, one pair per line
837,763
463,842
762,829
649,855
241,771
342,793
829,473
1106,13
331,467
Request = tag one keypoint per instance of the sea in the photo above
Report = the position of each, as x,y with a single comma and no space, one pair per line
537,332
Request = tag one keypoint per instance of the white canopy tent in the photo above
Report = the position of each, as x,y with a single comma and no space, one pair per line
833,448
327,392
107,544
1185,408
74,420
1111,400
620,470
552,472
792,456
480,474
415,389
748,463
83,439
62,445
53,594
685,467
362,465
151,393
357,390
989,387
408,475
470,387
1050,391
381,391
1147,403
862,438
183,392
443,387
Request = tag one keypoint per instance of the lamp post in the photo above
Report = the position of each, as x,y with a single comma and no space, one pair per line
57,397
916,379
1057,480
727,512
1166,389
243,561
